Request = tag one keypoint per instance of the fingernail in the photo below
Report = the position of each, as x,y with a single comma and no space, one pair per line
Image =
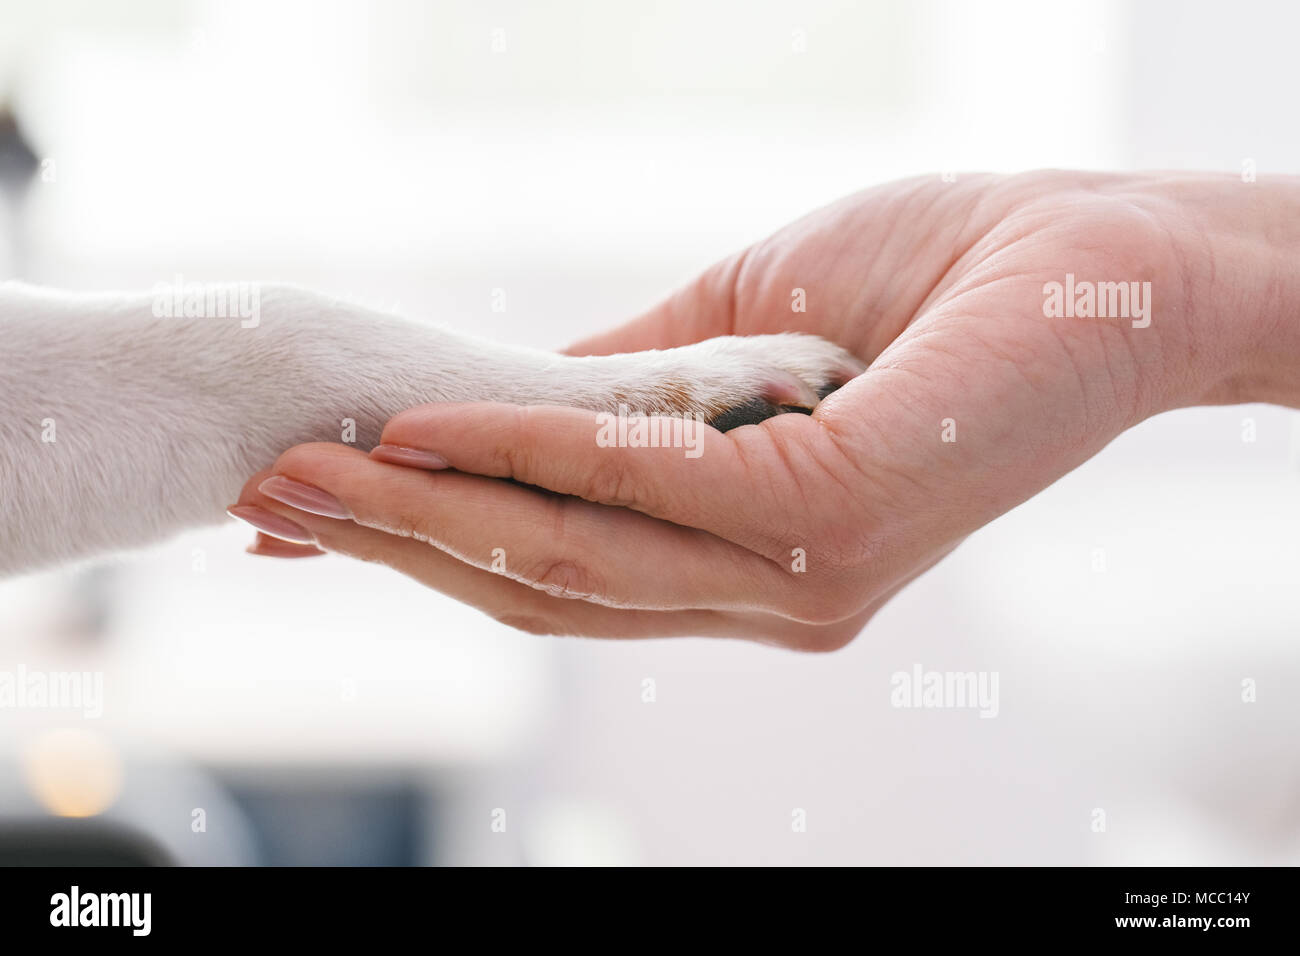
268,547
304,497
410,457
270,523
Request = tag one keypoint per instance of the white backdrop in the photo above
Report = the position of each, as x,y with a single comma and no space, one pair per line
585,158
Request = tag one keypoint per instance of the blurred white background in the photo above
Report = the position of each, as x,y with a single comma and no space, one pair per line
584,158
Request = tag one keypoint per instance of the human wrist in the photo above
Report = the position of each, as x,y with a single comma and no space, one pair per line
1243,248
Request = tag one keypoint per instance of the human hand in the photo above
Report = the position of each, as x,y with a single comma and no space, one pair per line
796,530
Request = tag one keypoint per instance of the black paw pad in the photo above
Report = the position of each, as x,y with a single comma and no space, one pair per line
751,413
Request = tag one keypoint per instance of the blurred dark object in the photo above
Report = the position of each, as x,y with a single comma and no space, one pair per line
18,166
77,843
18,161
322,822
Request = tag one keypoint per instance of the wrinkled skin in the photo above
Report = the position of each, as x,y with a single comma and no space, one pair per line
939,286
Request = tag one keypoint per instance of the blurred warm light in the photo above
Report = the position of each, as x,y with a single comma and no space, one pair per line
73,772
579,833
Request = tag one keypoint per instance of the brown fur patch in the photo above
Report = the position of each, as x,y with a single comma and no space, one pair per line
680,396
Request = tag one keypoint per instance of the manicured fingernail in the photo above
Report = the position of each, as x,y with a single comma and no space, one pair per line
410,457
271,523
268,547
303,497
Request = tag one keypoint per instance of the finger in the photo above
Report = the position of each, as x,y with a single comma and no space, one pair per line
486,591
723,484
269,547
563,546
523,607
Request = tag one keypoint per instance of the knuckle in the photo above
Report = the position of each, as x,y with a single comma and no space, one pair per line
610,482
518,446
405,521
564,578
552,567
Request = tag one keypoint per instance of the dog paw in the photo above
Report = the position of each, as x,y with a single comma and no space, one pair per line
743,380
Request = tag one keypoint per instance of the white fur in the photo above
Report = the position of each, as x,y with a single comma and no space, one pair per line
159,421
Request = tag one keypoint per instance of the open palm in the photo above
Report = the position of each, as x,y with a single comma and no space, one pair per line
794,531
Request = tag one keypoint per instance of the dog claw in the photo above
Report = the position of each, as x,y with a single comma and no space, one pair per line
791,391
